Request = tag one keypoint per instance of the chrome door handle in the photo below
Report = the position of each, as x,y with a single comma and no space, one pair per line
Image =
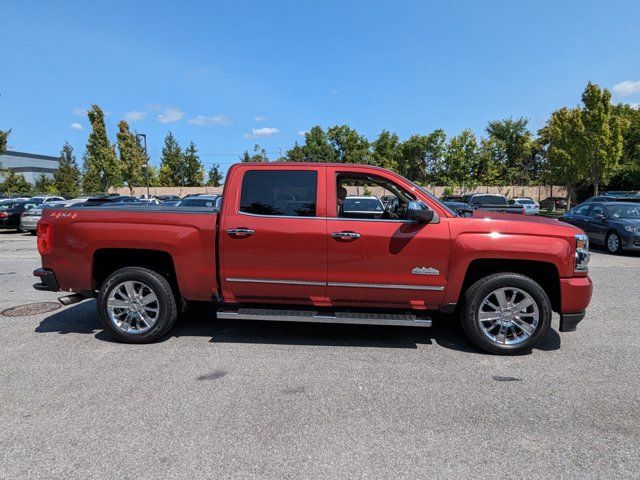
346,235
240,232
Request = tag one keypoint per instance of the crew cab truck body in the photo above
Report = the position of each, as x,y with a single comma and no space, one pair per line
280,249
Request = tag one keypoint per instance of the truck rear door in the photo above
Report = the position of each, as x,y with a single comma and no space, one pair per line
273,235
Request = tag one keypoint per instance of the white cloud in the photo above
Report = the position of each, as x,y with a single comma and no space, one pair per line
81,112
134,116
302,133
170,115
259,118
626,88
215,120
635,105
76,126
261,132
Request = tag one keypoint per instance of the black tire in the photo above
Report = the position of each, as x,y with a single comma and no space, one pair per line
475,295
616,242
33,232
167,314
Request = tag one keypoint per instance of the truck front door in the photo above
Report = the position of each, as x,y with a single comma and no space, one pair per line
386,260
273,236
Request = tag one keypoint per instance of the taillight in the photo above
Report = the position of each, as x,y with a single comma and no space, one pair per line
4,214
45,234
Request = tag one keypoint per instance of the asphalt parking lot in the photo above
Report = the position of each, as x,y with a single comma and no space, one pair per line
222,399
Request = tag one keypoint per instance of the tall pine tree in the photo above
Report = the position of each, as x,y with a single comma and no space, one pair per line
132,157
193,169
67,177
172,163
215,176
101,169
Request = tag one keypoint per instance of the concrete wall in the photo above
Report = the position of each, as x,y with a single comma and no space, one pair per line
537,193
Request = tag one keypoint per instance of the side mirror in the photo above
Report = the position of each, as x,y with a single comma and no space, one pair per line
418,212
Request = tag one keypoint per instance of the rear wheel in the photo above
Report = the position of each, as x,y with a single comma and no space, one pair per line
506,313
614,244
137,305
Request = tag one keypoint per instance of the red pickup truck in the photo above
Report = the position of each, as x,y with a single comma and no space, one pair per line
282,248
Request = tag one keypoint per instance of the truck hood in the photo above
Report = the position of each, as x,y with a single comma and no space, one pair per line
508,223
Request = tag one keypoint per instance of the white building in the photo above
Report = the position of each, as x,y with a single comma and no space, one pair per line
29,164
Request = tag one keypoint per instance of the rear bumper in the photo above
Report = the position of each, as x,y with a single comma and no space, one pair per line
47,278
29,224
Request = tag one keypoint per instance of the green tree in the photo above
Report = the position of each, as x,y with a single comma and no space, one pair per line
561,137
316,146
172,163
513,136
193,168
602,139
259,155
67,177
215,176
422,156
296,154
44,185
4,138
348,145
461,159
626,175
101,169
386,150
132,157
14,184
491,163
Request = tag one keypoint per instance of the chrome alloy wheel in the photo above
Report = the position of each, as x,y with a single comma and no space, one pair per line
508,316
613,243
133,307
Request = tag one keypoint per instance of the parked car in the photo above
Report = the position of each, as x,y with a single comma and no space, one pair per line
492,203
559,202
531,207
606,198
31,215
459,207
10,211
259,258
100,200
171,198
42,199
367,206
614,225
202,201
452,198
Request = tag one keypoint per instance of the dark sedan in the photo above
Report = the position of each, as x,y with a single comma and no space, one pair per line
614,225
10,212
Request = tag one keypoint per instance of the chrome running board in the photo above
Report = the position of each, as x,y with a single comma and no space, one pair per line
276,315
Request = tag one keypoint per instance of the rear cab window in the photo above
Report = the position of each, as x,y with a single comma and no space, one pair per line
291,193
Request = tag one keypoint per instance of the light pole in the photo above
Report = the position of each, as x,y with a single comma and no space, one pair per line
146,170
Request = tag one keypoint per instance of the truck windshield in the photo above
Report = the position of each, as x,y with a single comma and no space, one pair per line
489,200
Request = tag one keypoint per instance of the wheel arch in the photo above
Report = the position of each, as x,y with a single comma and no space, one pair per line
108,260
544,273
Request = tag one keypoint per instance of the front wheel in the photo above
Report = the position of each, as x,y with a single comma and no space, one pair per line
506,313
137,305
614,244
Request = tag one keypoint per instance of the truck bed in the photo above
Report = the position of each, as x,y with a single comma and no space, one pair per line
115,232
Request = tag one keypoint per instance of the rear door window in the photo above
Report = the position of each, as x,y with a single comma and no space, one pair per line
283,193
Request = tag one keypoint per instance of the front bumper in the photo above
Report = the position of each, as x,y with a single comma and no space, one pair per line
48,280
631,243
575,295
569,321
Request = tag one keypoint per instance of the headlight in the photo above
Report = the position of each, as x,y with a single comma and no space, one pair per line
582,253
631,228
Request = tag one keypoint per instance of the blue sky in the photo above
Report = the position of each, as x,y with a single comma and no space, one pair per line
230,74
